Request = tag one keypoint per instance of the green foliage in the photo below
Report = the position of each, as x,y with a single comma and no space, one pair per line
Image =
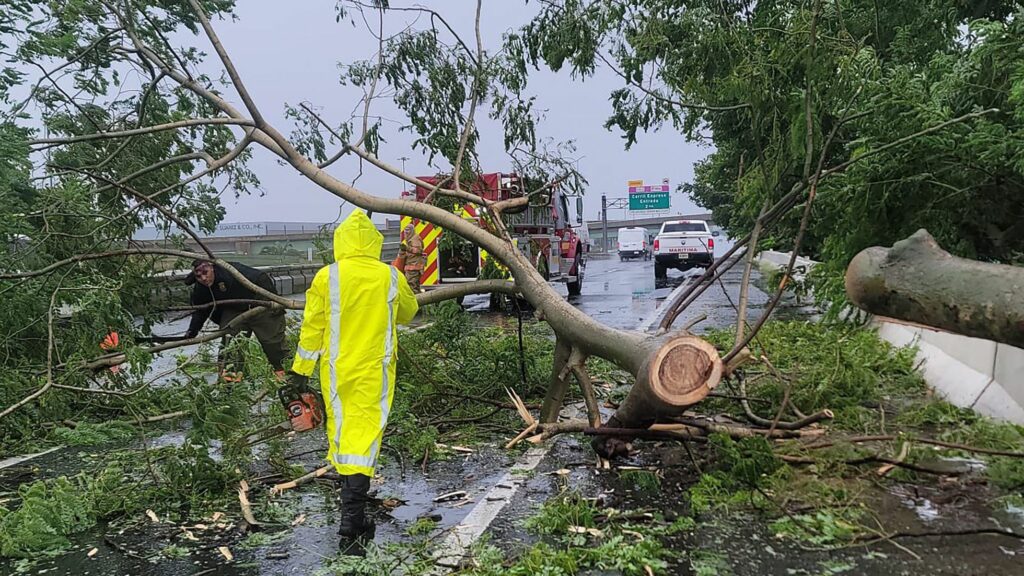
749,461
557,514
617,553
90,434
48,514
263,539
168,480
844,369
715,491
641,480
776,100
470,365
822,528
709,563
173,551
422,527
86,197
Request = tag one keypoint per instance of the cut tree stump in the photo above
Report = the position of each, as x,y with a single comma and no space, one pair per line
680,373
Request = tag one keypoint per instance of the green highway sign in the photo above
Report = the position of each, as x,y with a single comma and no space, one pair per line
649,201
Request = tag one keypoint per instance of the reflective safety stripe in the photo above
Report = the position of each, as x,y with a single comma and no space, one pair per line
389,350
334,280
306,354
354,460
389,347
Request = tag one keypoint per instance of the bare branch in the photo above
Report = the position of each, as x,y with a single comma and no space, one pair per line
50,142
236,78
92,46
276,298
49,360
473,100
211,168
465,289
133,392
109,360
433,16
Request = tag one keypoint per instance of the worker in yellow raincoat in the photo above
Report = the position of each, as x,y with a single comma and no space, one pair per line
353,309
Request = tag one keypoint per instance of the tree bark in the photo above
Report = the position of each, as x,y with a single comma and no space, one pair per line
916,281
559,383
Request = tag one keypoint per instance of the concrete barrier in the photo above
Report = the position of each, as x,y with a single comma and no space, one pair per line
985,376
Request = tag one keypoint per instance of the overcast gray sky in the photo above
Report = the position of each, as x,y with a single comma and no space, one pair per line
288,53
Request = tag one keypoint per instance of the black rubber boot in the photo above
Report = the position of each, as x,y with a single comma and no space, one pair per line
356,530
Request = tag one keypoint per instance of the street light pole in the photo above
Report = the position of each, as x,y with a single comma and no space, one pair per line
403,159
604,222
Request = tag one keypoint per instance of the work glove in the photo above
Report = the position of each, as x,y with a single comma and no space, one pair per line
296,385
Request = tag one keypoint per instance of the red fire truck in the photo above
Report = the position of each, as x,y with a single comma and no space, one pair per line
555,240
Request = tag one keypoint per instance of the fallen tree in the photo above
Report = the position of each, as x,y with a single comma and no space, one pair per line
918,282
673,369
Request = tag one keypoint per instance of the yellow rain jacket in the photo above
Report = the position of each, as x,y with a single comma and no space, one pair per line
350,323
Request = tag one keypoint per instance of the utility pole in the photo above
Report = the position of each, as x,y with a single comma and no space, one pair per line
614,203
604,222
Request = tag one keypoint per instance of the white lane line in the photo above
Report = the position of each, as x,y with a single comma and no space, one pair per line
659,312
456,544
19,459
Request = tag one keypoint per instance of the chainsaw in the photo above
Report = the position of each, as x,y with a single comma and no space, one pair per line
304,413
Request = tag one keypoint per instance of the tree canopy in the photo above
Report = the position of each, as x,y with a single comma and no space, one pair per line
780,88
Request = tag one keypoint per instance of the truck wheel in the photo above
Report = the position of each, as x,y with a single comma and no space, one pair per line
660,271
576,287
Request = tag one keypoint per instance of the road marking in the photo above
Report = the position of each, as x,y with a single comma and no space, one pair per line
659,312
19,459
457,543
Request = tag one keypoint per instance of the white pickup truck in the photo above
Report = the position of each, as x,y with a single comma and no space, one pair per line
683,244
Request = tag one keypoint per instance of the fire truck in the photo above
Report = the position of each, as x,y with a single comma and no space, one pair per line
551,237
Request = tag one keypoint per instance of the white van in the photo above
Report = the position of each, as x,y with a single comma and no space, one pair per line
633,243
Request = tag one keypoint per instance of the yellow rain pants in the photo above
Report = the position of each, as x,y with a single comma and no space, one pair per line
353,309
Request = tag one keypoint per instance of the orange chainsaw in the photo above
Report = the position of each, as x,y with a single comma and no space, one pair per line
305,412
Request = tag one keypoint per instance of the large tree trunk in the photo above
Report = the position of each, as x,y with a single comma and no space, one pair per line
917,281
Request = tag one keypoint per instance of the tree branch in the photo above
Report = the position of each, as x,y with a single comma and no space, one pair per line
473,99
49,360
236,78
184,226
218,121
465,289
906,139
